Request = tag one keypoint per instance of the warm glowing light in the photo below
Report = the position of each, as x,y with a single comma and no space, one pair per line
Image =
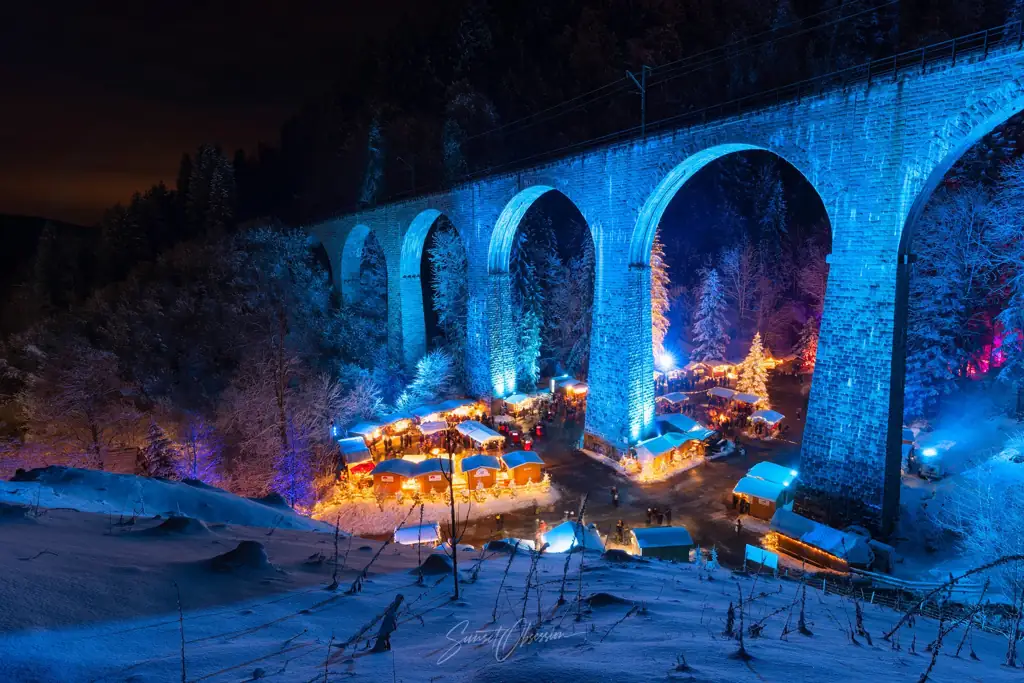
435,451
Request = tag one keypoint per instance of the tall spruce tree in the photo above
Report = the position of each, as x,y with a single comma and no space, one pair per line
709,326
159,458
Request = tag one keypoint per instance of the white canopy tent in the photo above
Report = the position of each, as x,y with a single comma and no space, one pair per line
675,398
722,392
429,428
750,399
771,417
570,536
419,534
679,422
478,432
769,471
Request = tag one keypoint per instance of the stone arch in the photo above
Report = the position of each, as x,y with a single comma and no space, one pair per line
352,261
414,332
499,297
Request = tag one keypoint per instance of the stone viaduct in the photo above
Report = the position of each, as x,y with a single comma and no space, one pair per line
874,151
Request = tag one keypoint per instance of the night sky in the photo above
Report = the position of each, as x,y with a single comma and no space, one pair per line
102,99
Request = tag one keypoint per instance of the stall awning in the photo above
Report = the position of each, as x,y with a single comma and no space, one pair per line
429,428
674,397
403,468
395,417
453,404
354,450
433,465
679,422
516,399
772,417
423,412
721,392
478,432
759,488
662,537
751,399
652,448
473,462
364,429
503,419
693,365
573,385
769,471
516,458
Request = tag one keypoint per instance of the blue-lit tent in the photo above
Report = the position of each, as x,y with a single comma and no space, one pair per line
573,536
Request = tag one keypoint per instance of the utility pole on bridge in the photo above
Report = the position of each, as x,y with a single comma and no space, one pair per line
641,84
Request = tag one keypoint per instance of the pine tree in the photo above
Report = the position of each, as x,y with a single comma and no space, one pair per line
659,296
752,374
210,203
159,457
373,177
450,294
709,327
806,349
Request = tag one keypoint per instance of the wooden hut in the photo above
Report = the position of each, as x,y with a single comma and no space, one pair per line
662,542
481,471
356,455
432,475
761,498
524,467
819,544
390,475
778,474
657,453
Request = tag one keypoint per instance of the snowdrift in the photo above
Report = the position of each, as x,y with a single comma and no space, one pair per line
128,495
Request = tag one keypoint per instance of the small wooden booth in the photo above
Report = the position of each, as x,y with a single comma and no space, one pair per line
420,534
389,476
481,471
483,436
819,544
524,467
770,419
432,475
760,498
662,542
677,422
356,455
769,471
672,402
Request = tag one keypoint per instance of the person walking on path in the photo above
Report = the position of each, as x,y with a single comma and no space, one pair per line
668,516
739,526
650,515
619,529
499,522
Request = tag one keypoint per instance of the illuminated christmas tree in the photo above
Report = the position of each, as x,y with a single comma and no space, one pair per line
753,372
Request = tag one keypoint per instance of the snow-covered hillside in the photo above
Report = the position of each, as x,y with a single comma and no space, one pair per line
127,495
250,620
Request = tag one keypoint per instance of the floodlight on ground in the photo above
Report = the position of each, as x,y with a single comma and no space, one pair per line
665,361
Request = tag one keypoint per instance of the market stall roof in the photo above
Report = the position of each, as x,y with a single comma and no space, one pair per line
423,412
662,537
759,488
769,471
851,547
503,419
693,365
397,466
453,404
354,450
395,417
516,399
718,363
659,445
722,392
682,423
772,417
433,465
429,428
752,399
364,428
517,458
571,383
572,535
421,533
674,397
478,432
476,461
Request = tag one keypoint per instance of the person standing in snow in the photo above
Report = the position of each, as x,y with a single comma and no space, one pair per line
619,529
650,515
739,526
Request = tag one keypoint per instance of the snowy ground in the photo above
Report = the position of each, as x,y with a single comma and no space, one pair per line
277,623
366,517
127,495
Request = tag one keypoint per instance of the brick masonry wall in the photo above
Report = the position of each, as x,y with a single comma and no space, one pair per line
874,156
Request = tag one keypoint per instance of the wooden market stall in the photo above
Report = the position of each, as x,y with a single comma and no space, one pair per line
432,475
390,476
671,402
524,467
481,471
819,544
419,534
721,393
356,455
758,497
658,453
662,542
677,422
478,433
770,419
769,471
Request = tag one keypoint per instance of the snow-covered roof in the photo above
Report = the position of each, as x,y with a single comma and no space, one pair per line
683,423
399,466
473,462
693,365
421,533
478,432
772,417
364,428
659,445
433,465
674,397
571,535
503,419
722,392
429,428
769,471
662,537
516,399
354,450
850,547
453,404
718,362
395,417
517,458
759,488
423,412
752,399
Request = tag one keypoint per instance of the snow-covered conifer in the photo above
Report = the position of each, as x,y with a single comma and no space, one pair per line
709,327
